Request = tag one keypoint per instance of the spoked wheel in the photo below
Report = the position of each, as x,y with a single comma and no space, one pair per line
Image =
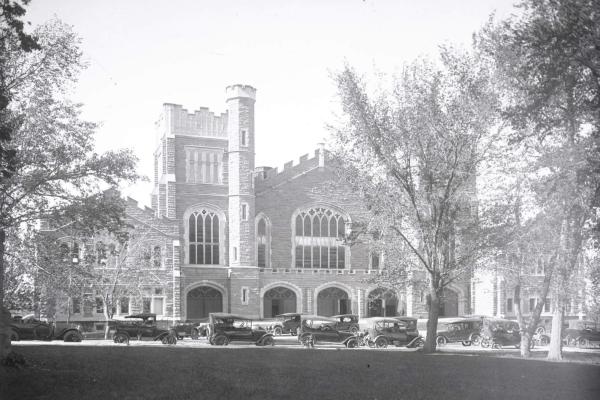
277,331
121,338
169,339
308,341
352,344
582,343
381,343
485,342
268,341
73,337
475,339
220,340
441,340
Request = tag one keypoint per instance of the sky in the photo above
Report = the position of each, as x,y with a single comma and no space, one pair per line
143,53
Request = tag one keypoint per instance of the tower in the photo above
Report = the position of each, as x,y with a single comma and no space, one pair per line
240,131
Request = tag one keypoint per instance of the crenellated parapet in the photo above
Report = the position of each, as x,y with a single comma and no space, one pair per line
176,120
266,177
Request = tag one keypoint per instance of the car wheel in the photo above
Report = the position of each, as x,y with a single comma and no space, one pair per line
14,336
277,331
441,340
121,338
544,340
268,341
354,329
485,342
583,343
169,339
73,337
195,334
475,339
352,344
220,340
307,341
381,343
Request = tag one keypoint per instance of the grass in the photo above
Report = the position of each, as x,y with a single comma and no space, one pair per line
81,372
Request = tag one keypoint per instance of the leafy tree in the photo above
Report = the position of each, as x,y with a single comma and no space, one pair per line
54,171
412,153
549,62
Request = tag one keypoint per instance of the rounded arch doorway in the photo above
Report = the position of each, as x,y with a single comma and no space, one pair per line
202,301
333,301
279,300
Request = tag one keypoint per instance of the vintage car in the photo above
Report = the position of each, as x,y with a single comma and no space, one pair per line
142,327
318,329
347,322
381,332
464,330
586,334
30,328
497,333
192,328
225,328
286,323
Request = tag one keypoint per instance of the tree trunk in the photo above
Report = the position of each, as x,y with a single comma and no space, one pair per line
106,322
432,321
555,351
523,331
4,313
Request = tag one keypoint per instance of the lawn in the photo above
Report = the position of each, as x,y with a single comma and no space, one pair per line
82,372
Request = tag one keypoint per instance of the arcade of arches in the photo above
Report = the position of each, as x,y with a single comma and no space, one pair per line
384,303
279,300
203,300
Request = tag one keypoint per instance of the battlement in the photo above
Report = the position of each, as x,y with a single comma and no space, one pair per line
203,122
269,177
238,90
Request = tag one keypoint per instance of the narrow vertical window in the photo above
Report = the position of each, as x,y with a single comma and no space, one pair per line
244,137
244,212
203,238
509,305
262,242
235,257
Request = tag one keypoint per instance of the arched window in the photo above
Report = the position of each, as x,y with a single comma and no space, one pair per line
157,257
262,243
203,237
317,241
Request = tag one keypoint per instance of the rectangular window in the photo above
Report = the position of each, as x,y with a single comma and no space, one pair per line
99,306
244,212
547,305
374,261
245,295
204,165
88,306
235,257
341,259
262,256
509,305
243,137
298,256
531,304
157,305
124,305
76,305
146,304
158,291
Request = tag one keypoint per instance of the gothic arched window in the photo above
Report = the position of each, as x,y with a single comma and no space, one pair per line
203,228
318,233
262,243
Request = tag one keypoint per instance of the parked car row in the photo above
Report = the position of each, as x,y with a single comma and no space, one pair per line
30,328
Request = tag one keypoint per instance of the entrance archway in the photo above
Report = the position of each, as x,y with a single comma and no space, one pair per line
382,302
449,303
279,300
203,300
333,301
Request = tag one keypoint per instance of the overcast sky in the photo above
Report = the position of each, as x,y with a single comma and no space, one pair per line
143,53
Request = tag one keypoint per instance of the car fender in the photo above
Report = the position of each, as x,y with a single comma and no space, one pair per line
64,332
162,335
123,333
416,340
349,338
379,336
263,337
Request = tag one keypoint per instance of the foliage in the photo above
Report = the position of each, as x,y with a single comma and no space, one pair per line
412,154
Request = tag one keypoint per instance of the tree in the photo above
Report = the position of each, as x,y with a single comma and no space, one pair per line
55,172
548,60
412,153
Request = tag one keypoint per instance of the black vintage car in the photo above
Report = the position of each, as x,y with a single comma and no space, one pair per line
347,322
225,328
586,334
497,333
286,323
142,327
30,328
464,330
318,329
192,328
381,332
